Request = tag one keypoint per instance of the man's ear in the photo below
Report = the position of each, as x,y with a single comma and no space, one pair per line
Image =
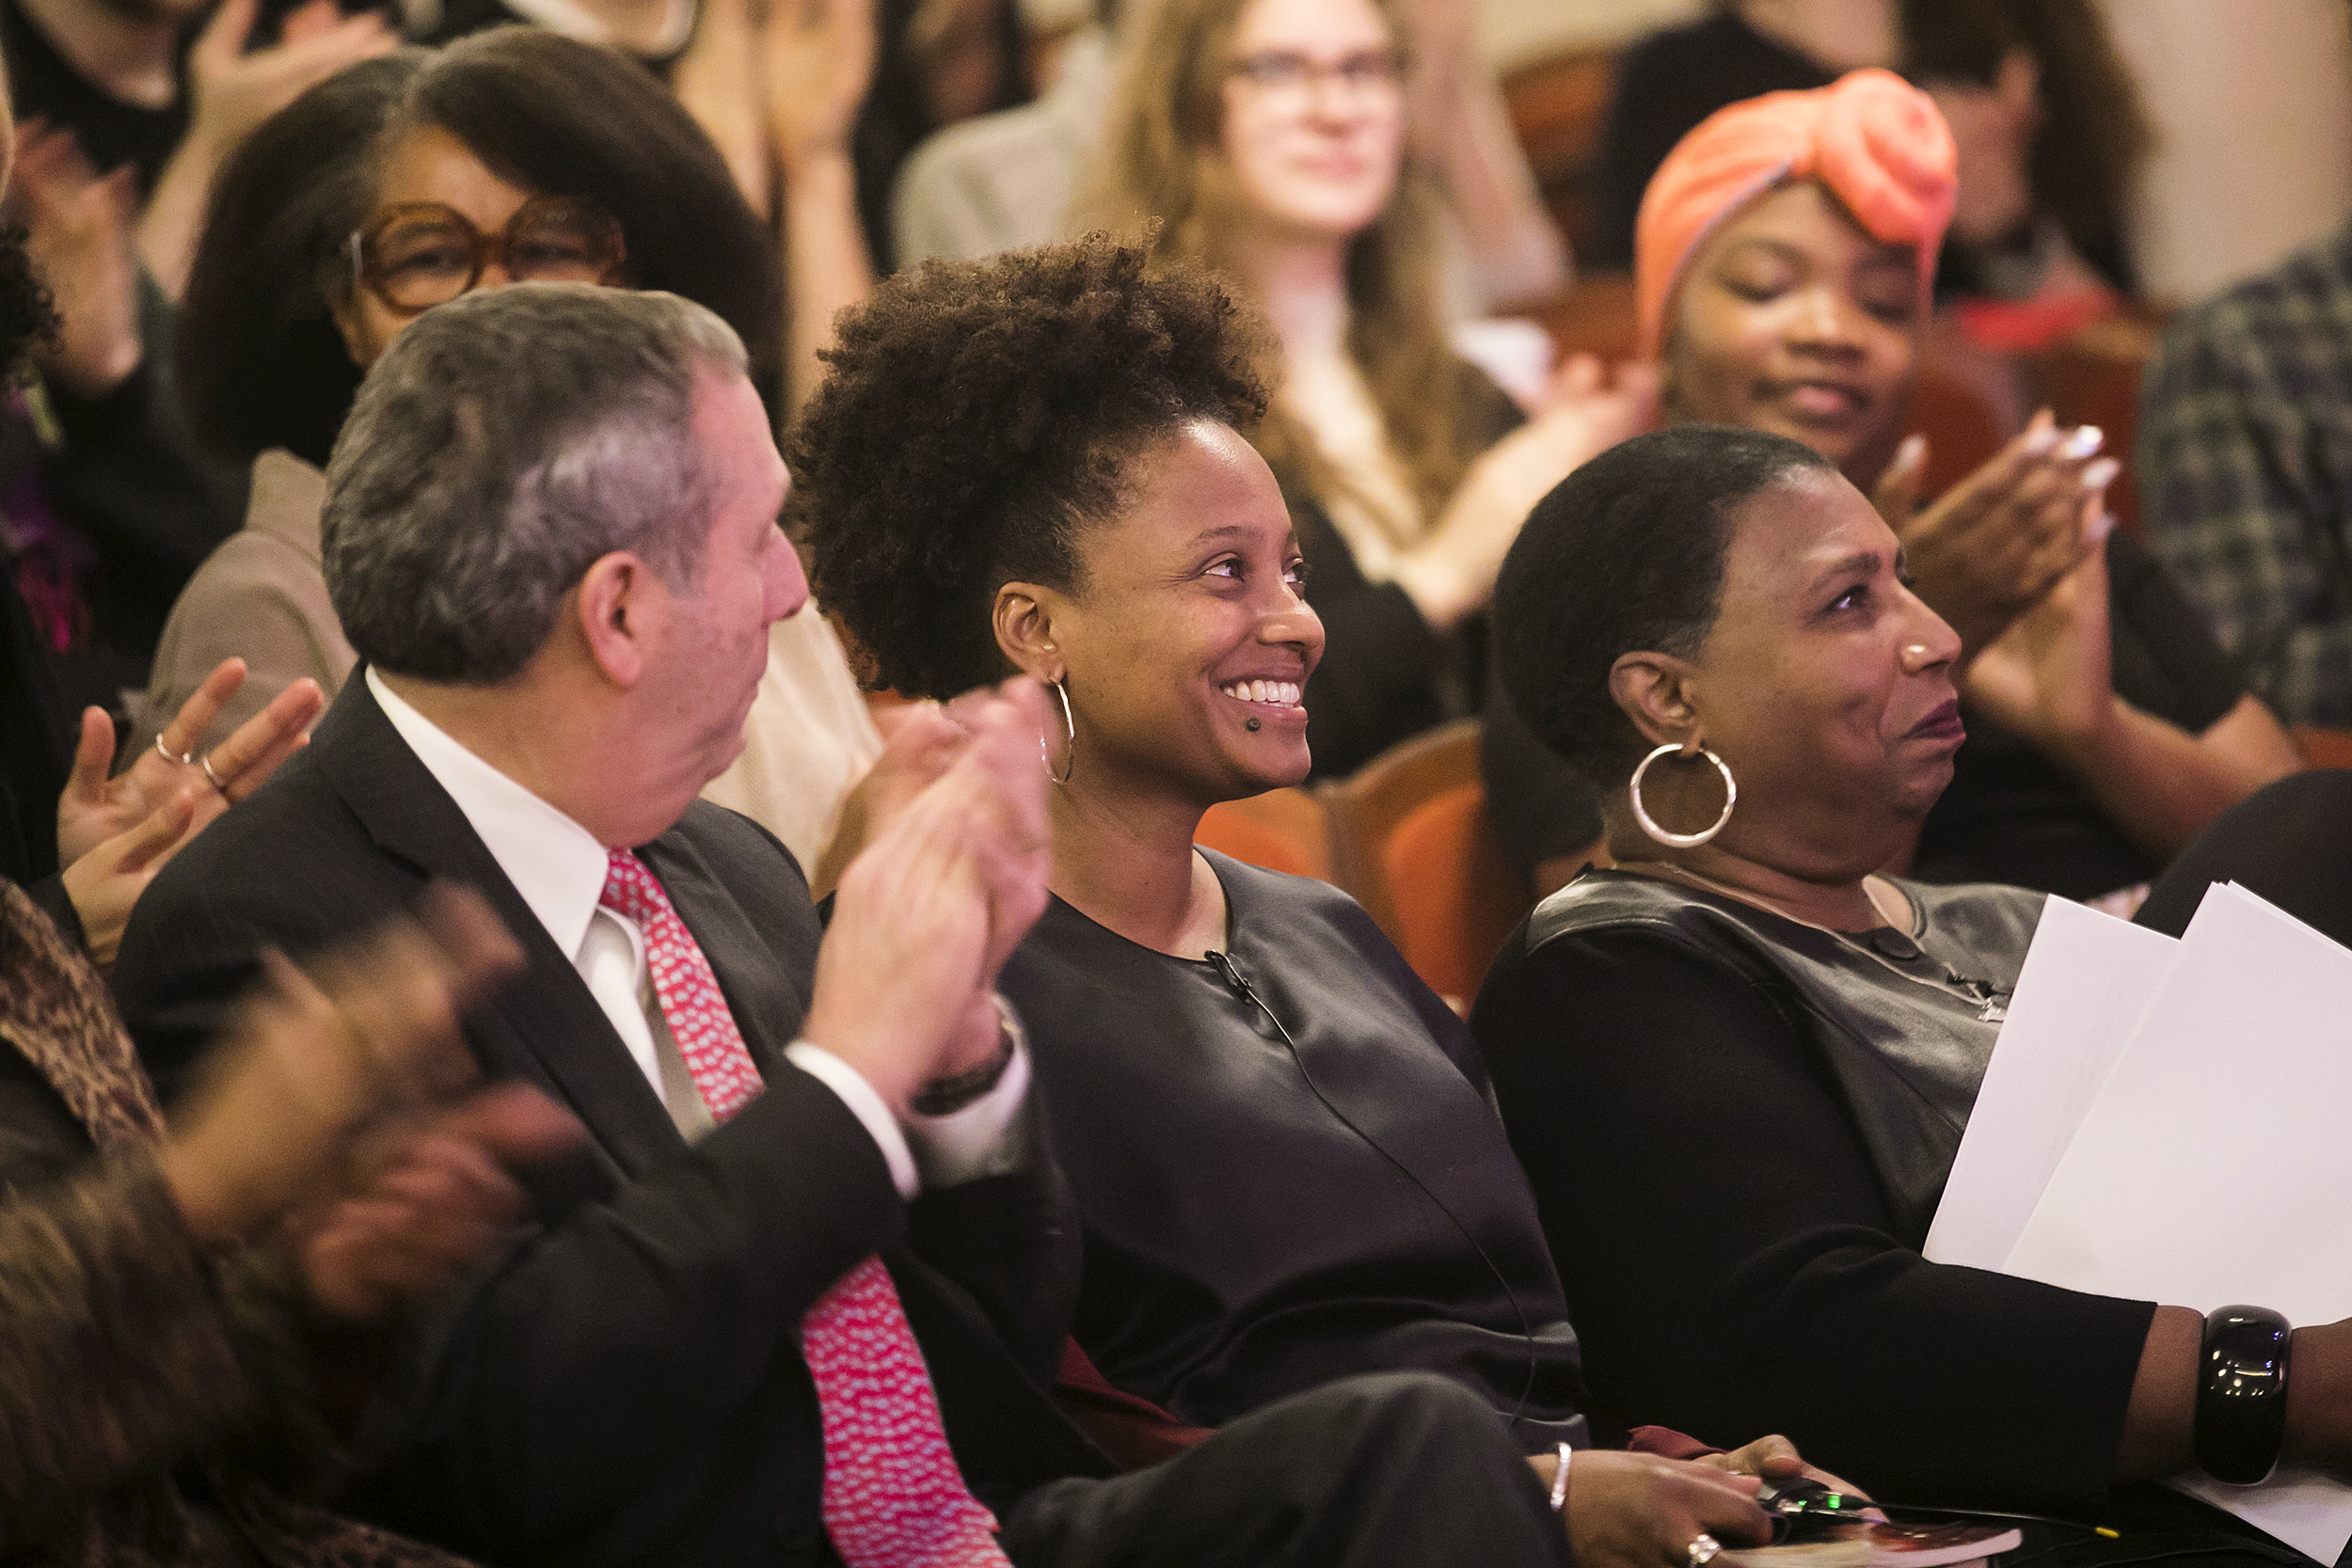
618,604
1022,617
1656,693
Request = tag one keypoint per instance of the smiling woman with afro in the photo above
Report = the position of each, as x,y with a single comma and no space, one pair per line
1036,462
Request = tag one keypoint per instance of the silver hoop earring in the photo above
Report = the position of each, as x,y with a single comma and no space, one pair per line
1070,753
1682,841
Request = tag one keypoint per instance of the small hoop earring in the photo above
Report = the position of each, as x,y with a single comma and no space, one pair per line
1682,841
1070,753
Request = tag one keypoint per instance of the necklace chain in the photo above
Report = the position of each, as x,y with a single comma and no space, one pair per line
1992,1006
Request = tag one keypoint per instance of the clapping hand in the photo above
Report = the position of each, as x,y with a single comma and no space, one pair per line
2001,539
2049,677
1583,412
232,91
79,228
114,833
817,60
929,910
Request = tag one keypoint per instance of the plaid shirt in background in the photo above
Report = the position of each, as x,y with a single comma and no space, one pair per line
2245,465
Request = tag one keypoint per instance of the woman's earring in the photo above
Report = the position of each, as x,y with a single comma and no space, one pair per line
1070,752
1682,841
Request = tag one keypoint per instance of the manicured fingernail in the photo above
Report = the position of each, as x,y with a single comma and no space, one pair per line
1914,447
2100,474
2041,440
2098,526
2085,441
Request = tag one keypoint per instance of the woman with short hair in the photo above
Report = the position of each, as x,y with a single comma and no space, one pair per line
1784,1043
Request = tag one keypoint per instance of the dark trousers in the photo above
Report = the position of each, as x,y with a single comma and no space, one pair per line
1393,1470
2290,843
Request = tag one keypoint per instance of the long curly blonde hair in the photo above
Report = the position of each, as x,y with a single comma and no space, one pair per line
1163,165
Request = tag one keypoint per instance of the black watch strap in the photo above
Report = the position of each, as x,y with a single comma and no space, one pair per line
2241,1419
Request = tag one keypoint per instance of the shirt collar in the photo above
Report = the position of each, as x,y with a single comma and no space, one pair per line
556,865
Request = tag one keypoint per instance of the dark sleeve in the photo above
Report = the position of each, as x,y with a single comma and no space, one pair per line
128,473
670,1301
1378,683
1728,1256
1012,1243
1540,808
2195,684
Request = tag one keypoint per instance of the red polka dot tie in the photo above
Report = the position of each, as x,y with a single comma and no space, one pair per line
893,1497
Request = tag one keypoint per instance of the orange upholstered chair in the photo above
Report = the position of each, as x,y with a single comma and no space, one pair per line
1456,898
1409,839
2325,748
1282,830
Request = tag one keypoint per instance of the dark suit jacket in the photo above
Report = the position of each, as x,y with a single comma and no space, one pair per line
626,1387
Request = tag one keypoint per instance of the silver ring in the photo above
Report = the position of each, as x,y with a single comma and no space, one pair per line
205,762
1702,1551
179,758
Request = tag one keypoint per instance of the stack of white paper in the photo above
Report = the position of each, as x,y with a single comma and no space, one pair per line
2164,1120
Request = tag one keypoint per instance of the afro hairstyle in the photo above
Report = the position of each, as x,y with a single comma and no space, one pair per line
977,417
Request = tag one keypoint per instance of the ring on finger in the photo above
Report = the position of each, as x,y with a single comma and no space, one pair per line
1702,1550
179,758
205,762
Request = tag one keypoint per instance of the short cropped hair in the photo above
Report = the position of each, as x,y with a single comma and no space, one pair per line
258,361
504,443
1624,555
978,416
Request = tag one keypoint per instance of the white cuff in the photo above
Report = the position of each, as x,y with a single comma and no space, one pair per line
984,1138
867,1105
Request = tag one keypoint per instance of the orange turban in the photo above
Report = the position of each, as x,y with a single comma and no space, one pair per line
1876,141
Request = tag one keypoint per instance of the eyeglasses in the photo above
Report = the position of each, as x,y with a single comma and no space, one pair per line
420,254
1288,77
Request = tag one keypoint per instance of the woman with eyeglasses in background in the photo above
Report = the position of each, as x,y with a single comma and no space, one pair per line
1269,140
513,155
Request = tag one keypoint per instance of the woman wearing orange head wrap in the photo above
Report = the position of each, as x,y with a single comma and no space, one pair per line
1782,264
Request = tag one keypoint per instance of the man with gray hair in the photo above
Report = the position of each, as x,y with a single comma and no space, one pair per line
801,1301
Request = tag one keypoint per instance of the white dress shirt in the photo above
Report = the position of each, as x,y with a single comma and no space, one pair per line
559,868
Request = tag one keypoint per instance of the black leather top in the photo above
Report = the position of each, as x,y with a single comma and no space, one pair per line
1907,1057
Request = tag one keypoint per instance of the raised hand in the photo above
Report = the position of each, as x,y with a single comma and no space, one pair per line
95,808
80,228
931,909
919,741
231,91
106,882
718,81
817,58
318,1053
2049,678
2001,539
428,1196
1584,413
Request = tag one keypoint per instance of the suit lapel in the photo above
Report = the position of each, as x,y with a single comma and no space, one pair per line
543,1023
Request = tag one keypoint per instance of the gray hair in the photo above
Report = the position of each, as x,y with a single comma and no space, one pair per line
503,444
